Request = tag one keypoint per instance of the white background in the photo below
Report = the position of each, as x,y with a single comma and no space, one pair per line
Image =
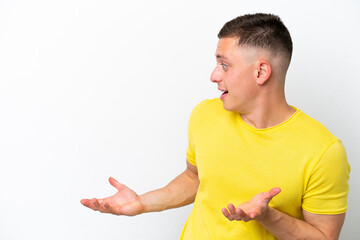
92,89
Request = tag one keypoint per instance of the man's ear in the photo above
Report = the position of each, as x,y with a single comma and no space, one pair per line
263,72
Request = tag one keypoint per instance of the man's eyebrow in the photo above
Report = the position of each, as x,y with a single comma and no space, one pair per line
218,56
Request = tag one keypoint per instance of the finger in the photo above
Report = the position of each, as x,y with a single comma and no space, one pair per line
96,204
104,207
272,193
232,211
227,214
252,216
242,214
117,210
101,205
116,184
88,203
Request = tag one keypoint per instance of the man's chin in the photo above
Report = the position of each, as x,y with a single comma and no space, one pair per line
229,108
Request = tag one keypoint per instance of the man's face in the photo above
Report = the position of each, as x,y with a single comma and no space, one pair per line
235,73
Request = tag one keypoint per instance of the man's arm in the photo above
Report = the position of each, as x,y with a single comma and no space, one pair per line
314,226
283,226
179,192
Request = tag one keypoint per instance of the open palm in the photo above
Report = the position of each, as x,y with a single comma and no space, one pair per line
253,209
124,202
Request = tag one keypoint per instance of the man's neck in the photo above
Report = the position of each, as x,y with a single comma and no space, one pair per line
268,115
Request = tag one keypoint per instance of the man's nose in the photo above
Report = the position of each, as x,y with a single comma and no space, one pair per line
216,75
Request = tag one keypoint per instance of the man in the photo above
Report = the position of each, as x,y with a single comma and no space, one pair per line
246,147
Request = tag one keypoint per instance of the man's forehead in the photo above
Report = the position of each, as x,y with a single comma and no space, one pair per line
226,47
226,43
222,49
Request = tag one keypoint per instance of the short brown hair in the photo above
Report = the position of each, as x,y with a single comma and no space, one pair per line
265,31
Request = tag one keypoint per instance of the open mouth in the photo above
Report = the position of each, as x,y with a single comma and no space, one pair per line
223,95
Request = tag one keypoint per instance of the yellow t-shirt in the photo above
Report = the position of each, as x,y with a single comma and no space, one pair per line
236,161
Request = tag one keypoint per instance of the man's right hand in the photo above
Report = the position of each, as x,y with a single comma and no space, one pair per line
124,202
179,192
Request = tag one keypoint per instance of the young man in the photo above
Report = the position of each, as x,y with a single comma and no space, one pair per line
246,147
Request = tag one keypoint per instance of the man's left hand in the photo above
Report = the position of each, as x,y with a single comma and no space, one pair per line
256,208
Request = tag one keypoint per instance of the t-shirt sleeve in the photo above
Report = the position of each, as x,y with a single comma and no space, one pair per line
190,153
327,187
194,125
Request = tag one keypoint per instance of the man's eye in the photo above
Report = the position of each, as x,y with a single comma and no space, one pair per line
223,65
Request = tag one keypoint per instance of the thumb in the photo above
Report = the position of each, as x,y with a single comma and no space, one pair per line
272,193
116,184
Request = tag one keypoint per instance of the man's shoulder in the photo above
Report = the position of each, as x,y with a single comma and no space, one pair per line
313,128
209,103
208,112
209,106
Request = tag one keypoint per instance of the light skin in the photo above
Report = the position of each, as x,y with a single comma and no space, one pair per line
179,192
256,89
254,79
